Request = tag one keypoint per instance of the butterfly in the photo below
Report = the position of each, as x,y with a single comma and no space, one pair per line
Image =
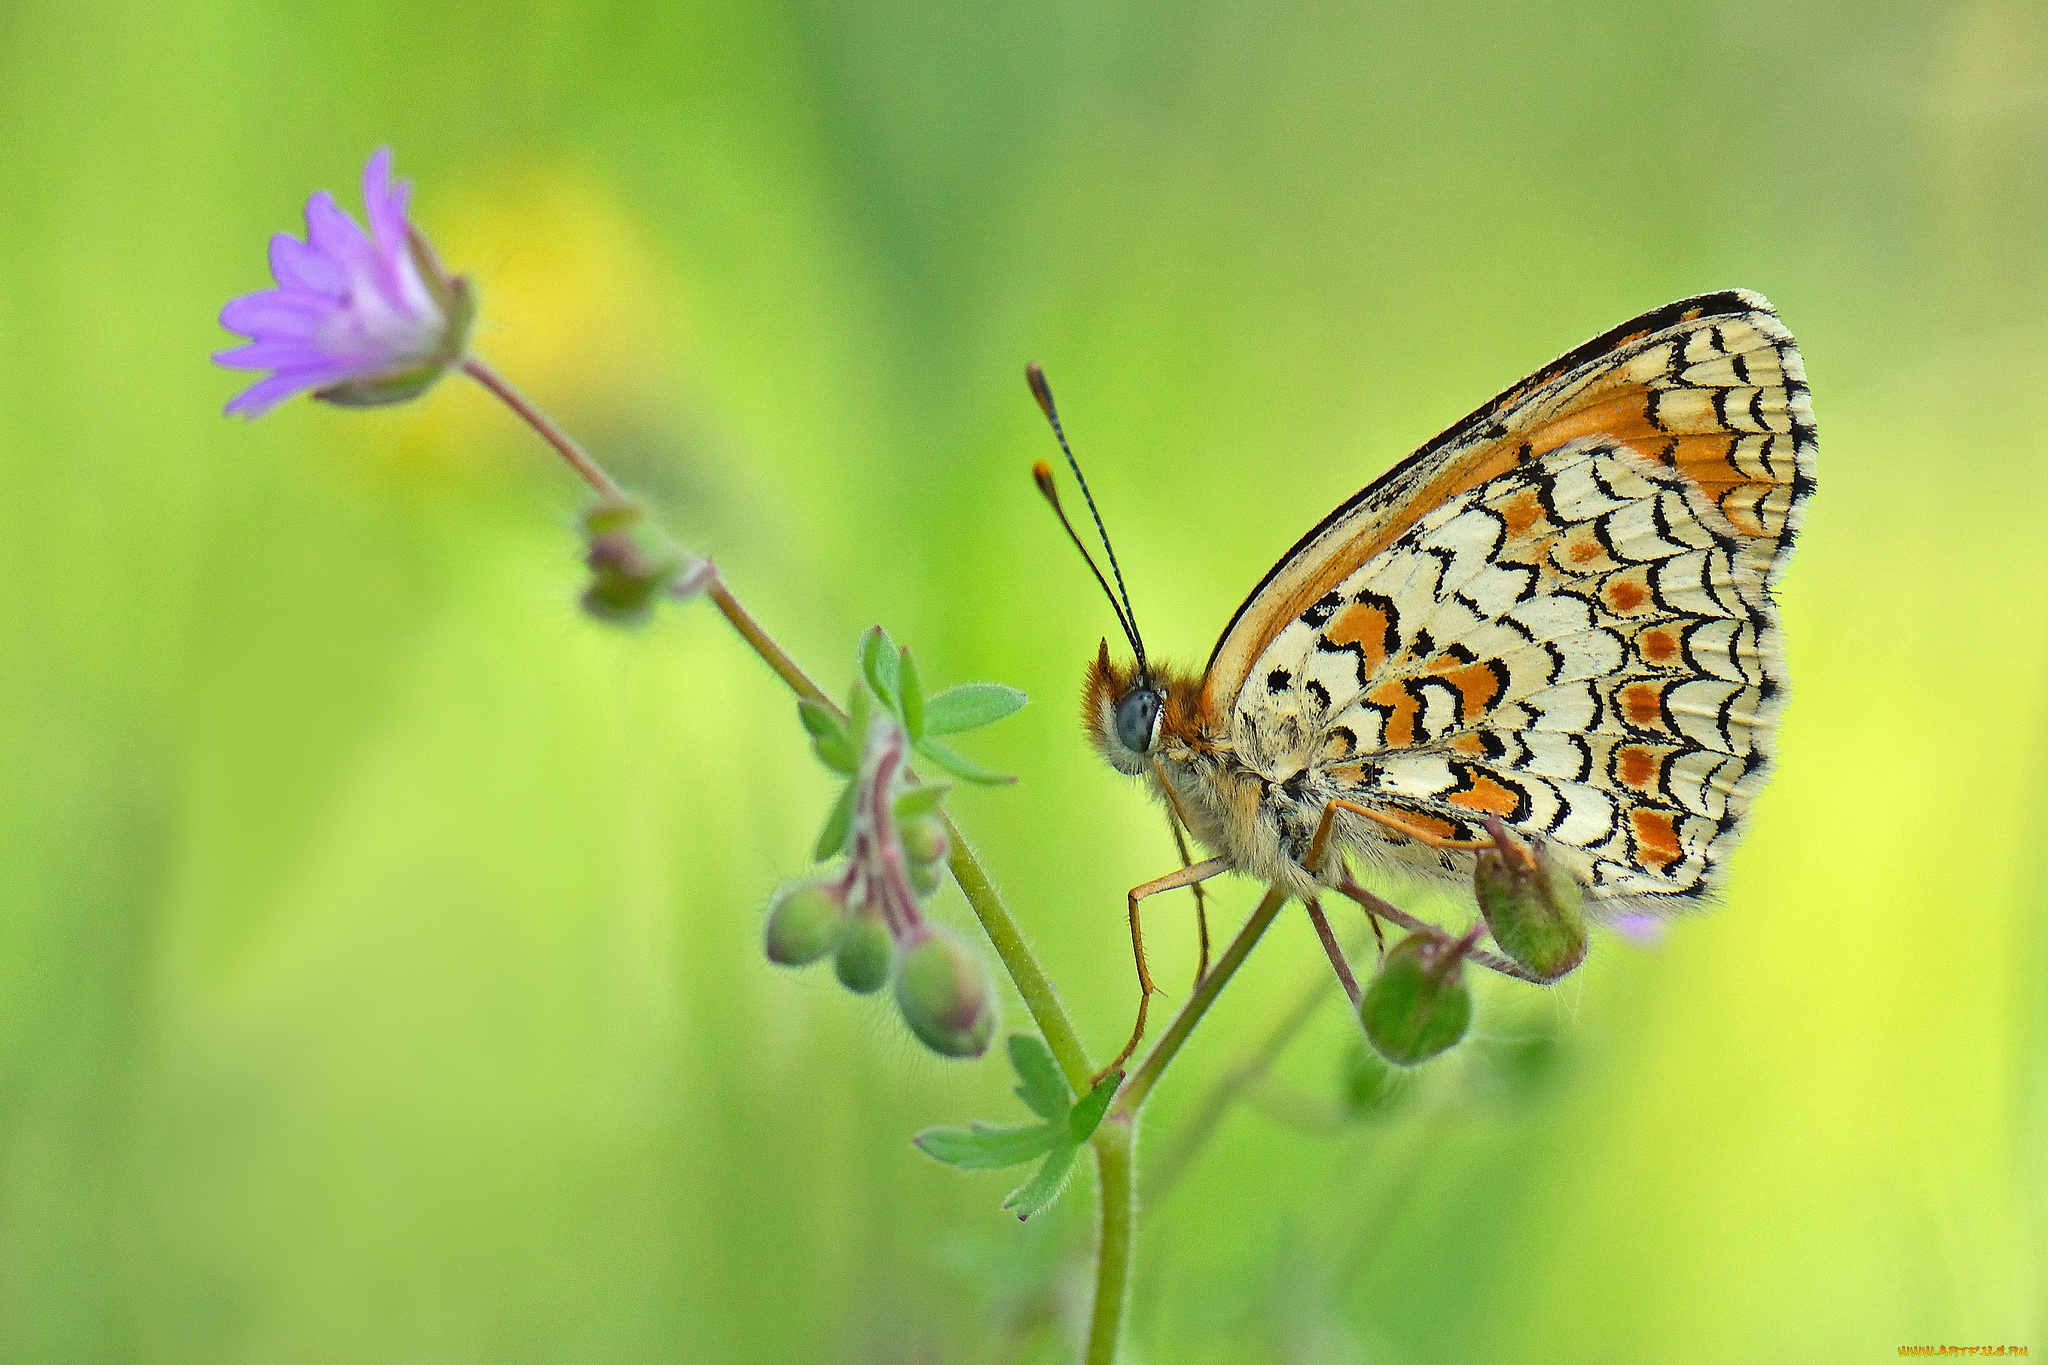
1556,614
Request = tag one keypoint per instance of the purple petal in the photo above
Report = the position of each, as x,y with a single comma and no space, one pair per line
277,314
264,395
335,235
295,265
261,397
384,203
275,355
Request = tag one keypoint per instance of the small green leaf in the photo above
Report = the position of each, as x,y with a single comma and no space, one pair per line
860,715
969,707
818,719
921,800
829,737
878,661
833,837
982,1147
1044,1186
1087,1115
913,697
958,764
1044,1089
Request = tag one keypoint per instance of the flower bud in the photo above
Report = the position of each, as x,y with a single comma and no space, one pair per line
631,562
865,953
924,837
1418,1004
1532,906
924,878
943,991
805,922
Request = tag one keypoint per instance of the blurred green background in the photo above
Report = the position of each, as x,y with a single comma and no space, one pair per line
379,962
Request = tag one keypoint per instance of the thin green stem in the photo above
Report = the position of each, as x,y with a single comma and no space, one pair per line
1115,1179
1114,1160
1113,1141
1008,941
565,445
764,645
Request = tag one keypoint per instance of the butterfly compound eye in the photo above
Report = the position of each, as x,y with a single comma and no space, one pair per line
1136,716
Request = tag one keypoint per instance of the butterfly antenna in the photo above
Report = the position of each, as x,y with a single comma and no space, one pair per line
1041,473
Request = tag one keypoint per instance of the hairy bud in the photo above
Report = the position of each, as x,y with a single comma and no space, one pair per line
1533,907
631,562
865,954
923,836
805,922
1418,1004
944,993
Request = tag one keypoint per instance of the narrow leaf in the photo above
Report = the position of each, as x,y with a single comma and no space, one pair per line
958,764
1044,1186
860,713
913,698
1044,1089
1087,1115
829,737
878,663
921,800
818,719
985,1148
833,837
969,707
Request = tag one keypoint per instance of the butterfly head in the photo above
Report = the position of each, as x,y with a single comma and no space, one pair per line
1133,714
1121,709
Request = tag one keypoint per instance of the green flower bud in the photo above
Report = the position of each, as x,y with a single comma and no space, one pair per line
805,922
631,562
865,954
1418,1004
1533,907
924,837
924,878
944,993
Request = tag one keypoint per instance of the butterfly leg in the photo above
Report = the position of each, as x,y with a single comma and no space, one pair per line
1172,881
1201,903
1379,909
1338,963
1177,821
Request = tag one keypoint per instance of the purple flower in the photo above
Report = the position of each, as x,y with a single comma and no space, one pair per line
358,320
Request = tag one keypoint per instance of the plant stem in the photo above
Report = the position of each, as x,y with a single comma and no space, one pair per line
996,922
1113,1140
579,460
1008,941
1114,1179
764,645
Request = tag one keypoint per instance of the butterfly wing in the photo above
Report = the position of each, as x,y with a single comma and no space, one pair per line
1711,386
1559,611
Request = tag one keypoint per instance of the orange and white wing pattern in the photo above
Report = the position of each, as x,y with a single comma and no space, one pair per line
1558,612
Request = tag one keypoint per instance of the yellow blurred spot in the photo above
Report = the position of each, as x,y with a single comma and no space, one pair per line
576,311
